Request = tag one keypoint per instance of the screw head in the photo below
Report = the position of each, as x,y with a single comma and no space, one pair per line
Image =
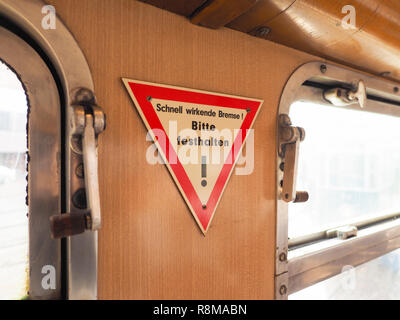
283,290
282,257
323,68
84,95
262,32
79,171
79,199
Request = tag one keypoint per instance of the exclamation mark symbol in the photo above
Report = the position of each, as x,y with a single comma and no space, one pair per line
204,170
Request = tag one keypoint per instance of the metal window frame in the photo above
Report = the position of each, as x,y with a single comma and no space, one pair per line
327,259
44,137
72,70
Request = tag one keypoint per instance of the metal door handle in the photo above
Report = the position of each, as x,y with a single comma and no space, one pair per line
91,173
87,123
289,142
343,97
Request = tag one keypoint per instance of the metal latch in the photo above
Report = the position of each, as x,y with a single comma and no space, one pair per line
87,122
344,97
288,149
343,233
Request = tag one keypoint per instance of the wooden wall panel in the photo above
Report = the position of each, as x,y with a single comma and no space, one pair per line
218,13
315,26
183,7
150,247
260,14
312,25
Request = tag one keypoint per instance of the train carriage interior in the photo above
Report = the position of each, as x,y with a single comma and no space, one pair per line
190,150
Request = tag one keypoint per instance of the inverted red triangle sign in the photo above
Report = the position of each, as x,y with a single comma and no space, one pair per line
199,135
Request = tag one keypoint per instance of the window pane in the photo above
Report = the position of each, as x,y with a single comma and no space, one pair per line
377,279
13,210
350,165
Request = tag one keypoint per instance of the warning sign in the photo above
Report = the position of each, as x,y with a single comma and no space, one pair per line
199,135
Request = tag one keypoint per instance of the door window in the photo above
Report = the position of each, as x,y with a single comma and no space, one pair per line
14,238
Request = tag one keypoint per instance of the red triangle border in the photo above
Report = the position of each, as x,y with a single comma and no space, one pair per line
140,90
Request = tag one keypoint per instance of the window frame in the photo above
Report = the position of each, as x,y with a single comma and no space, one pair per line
59,49
44,137
294,272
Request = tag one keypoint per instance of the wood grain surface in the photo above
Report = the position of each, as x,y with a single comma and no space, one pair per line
260,14
150,246
183,7
218,13
315,26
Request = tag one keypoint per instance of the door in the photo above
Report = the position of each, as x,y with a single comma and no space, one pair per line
47,88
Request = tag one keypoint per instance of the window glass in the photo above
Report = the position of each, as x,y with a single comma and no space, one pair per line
378,279
13,185
350,165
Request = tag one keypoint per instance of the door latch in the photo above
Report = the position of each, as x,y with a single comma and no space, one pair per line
288,149
344,97
86,123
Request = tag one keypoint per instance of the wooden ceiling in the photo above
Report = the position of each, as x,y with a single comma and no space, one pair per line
313,26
